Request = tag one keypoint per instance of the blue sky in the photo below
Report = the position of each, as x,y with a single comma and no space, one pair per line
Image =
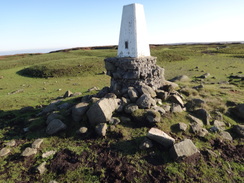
55,24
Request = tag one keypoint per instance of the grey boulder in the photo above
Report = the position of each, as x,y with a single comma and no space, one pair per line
160,137
79,110
102,111
185,148
55,126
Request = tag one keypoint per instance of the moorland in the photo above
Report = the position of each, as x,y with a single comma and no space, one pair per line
30,82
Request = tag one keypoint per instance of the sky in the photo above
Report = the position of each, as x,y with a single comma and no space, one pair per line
47,25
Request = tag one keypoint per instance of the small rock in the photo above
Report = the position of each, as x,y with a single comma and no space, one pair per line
55,126
182,78
110,95
145,102
68,94
160,137
239,130
146,144
196,128
210,152
182,126
4,152
114,121
37,143
94,99
102,111
83,130
194,103
198,87
204,76
26,129
48,154
93,89
176,108
176,99
49,108
163,95
184,148
171,86
101,129
64,106
195,120
226,135
219,125
29,151
203,132
153,116
238,111
11,143
130,108
203,115
147,90
103,92
41,168
79,110
166,108
133,94
27,109
159,109
125,119
53,116
219,116
53,181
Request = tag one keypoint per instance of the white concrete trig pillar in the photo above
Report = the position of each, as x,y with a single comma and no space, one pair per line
133,33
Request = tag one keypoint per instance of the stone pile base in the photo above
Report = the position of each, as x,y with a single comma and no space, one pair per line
133,72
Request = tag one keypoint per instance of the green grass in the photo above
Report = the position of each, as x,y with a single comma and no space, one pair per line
38,79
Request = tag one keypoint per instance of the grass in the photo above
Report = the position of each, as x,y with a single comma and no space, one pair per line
37,79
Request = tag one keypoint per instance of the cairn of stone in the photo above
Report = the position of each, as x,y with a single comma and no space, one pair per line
128,72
